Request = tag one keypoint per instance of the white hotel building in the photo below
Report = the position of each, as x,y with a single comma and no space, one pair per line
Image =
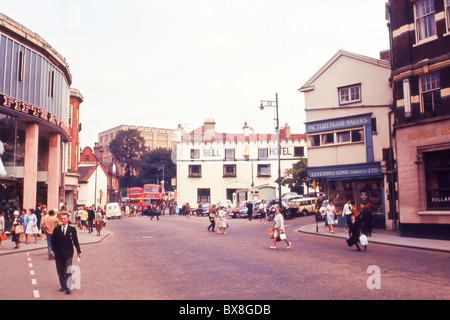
213,166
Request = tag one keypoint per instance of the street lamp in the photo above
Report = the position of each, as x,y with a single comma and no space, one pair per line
270,104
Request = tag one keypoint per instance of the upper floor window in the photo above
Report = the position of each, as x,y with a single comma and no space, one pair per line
195,153
431,93
425,20
350,94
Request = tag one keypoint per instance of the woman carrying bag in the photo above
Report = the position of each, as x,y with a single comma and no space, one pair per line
279,230
16,230
2,229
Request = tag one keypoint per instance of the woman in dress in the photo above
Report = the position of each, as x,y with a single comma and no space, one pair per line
222,220
2,227
31,228
330,213
99,221
278,229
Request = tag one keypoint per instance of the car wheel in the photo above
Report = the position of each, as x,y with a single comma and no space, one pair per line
305,213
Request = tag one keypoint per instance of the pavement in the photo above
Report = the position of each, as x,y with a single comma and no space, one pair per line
85,238
381,236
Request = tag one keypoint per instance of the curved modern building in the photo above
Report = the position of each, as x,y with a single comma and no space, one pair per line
34,118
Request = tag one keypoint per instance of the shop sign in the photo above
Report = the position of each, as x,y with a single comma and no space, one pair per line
345,172
426,134
34,111
339,123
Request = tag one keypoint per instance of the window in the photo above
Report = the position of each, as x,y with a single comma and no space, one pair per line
425,20
299,151
264,170
21,65
333,138
447,15
195,171
431,93
350,94
203,195
195,153
229,170
230,155
263,153
437,173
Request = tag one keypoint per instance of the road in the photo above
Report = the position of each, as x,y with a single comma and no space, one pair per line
178,259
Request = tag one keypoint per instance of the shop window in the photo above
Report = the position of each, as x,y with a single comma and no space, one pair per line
437,173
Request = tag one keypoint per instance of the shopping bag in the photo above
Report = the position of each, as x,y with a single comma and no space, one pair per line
283,236
363,240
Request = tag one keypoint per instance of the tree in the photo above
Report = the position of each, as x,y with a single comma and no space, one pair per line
157,165
127,148
297,176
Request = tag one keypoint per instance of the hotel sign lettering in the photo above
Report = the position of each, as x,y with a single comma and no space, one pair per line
34,111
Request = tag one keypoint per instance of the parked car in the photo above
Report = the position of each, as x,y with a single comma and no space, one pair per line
226,203
240,210
203,208
303,206
113,210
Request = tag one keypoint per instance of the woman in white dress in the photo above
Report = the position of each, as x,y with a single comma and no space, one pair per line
279,229
222,220
330,212
31,228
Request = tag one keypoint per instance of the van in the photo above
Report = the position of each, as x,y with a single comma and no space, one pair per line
113,210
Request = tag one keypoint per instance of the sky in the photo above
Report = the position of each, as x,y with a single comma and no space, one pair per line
161,63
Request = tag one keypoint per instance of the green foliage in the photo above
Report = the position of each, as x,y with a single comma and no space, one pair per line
296,176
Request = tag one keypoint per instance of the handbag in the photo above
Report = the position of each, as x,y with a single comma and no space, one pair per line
363,240
4,237
283,236
271,233
18,229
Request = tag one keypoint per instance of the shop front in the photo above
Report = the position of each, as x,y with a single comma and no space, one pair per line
361,183
423,153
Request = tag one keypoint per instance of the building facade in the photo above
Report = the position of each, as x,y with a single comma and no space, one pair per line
348,103
213,166
34,115
154,138
420,43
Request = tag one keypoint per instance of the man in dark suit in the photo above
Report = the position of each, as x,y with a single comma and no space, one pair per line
64,239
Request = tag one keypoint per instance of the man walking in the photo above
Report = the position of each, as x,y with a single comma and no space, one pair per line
48,225
347,212
63,240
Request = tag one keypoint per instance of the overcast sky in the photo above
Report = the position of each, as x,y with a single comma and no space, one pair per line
160,63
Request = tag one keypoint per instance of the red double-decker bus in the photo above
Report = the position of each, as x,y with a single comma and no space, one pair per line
152,194
136,197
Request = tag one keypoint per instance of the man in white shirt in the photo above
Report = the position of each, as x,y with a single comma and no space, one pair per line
347,212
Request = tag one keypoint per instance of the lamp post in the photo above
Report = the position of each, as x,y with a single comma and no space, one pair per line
270,104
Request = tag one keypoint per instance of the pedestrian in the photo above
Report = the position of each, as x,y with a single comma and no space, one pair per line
83,215
222,220
48,226
212,218
330,212
365,219
262,212
347,214
99,221
2,227
31,227
16,233
354,233
91,218
187,210
44,216
154,212
63,240
279,230
23,222
250,210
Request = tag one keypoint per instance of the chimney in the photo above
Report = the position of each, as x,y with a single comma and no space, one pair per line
210,129
246,129
287,131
